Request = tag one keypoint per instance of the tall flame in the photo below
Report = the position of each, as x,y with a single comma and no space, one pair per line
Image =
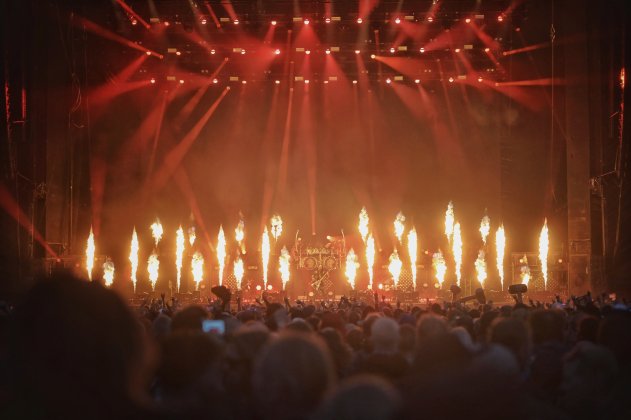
351,267
363,224
399,226
133,257
485,228
457,251
221,253
89,254
277,226
191,235
370,259
197,269
525,271
238,271
265,251
544,242
440,266
480,268
239,235
500,246
449,221
108,272
413,250
153,267
284,261
179,255
157,231
395,267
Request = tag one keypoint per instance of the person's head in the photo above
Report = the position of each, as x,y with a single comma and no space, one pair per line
513,335
547,325
299,325
189,319
614,332
407,338
430,325
291,376
76,348
360,398
384,335
339,350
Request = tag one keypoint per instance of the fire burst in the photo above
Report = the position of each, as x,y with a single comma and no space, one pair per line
277,226
440,266
363,224
157,231
221,253
238,271
197,269
351,267
179,255
133,257
485,228
108,272
525,271
480,268
500,246
399,226
457,251
265,251
413,250
239,235
395,268
191,235
153,267
544,242
370,258
89,254
283,266
449,221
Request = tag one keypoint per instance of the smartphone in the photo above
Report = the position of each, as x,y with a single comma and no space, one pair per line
217,326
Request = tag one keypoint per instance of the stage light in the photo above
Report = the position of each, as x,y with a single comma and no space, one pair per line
153,80
212,52
328,52
392,50
327,20
487,49
500,18
417,81
166,23
243,82
134,22
480,79
451,80
397,21
277,82
308,52
468,20
372,56
215,81
422,50
181,81
273,23
326,82
306,21
306,81
236,21
388,81
354,82
148,53
277,52
258,287
380,286
269,287
357,51
457,50
178,53
359,20
430,19
203,21
242,52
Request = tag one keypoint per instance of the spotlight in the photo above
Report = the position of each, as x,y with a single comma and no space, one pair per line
277,52
181,81
430,19
306,21
269,287
354,82
326,82
242,52
328,52
417,81
203,21
178,53
236,21
388,81
134,22
148,53
212,52
356,51
373,56
273,23
215,81
422,50
457,50
468,20
451,80
380,286
244,82
392,50
258,287
153,80
308,52
487,49
277,82
480,79
327,20
306,81
166,23
500,18
359,20
397,21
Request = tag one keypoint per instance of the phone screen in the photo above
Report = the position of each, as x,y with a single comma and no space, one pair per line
217,326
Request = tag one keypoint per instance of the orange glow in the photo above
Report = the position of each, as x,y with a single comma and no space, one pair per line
89,254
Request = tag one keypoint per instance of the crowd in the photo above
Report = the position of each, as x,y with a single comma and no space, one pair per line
74,349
